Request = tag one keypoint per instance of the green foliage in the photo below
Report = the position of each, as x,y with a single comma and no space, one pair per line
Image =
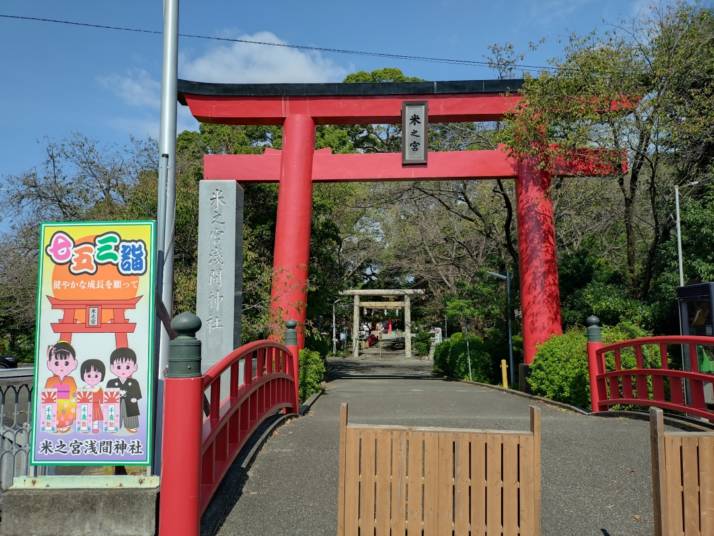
312,373
661,70
560,369
451,359
478,305
422,342
321,342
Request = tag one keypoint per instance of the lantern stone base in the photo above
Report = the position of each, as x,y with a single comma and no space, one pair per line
111,506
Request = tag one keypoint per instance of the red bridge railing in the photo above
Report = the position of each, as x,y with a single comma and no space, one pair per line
639,372
209,418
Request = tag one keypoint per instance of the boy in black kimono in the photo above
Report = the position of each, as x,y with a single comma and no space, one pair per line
122,363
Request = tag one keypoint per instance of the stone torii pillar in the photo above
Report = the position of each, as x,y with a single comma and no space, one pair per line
355,327
407,327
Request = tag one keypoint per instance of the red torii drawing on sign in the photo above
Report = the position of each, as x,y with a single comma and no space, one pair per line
299,107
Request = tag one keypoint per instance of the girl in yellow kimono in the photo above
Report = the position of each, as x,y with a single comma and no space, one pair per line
61,361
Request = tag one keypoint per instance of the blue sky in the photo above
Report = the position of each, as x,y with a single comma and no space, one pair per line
61,79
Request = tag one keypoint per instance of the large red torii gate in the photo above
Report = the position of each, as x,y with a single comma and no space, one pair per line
299,107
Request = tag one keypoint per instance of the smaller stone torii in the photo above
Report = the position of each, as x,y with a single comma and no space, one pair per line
405,303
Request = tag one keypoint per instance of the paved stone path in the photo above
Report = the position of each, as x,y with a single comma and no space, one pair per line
595,471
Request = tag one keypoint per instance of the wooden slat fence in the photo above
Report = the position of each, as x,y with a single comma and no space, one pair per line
682,480
400,481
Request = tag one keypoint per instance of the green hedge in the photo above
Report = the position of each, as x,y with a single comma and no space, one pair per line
422,343
312,373
560,368
450,359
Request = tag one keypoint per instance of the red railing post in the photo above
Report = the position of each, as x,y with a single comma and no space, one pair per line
291,341
180,501
594,363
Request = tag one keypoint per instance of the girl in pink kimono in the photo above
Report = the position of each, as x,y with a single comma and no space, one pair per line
62,360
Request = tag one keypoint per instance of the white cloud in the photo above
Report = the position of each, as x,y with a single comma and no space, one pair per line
235,62
246,63
136,87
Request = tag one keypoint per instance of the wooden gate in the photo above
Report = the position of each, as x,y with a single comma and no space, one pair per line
437,482
682,480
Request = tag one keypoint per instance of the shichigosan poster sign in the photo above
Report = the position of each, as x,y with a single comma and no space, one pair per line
93,394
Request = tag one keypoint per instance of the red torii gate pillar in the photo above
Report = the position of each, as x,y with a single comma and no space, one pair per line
537,258
299,107
291,258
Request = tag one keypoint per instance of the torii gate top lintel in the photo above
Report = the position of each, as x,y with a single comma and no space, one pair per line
339,103
382,292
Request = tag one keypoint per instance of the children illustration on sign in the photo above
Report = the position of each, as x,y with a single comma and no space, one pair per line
92,409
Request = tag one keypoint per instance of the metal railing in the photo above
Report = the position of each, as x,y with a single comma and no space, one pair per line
15,422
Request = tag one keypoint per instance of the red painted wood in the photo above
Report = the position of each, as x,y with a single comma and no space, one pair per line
328,167
293,362
180,501
620,380
291,257
676,390
443,165
233,419
362,110
597,389
540,294
658,388
626,381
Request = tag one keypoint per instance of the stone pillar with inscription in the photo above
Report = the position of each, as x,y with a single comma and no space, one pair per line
219,296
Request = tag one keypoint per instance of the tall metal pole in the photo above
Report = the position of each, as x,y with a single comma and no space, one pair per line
166,203
334,330
511,364
167,167
679,237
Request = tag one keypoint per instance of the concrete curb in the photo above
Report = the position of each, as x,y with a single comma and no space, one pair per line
247,459
683,423
548,401
307,405
677,422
